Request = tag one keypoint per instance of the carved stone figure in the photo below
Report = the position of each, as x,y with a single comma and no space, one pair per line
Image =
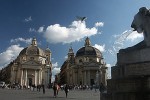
131,75
139,52
141,24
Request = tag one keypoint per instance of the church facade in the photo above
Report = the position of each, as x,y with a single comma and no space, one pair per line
32,66
87,67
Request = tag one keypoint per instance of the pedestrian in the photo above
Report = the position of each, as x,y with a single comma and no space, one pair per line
66,90
102,88
43,89
55,89
38,87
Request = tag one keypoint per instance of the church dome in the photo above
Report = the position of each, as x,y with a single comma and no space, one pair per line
23,51
88,50
33,49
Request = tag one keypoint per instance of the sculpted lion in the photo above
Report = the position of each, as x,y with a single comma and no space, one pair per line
141,24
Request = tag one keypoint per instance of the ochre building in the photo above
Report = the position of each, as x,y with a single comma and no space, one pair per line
31,67
87,67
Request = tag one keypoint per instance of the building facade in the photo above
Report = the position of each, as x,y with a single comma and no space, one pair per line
31,67
87,67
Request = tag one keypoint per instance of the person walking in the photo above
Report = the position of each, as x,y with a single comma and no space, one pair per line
43,89
55,89
66,90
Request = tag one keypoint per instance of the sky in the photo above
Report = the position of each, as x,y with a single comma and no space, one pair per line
54,24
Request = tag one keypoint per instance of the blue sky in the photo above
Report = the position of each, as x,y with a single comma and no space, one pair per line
54,23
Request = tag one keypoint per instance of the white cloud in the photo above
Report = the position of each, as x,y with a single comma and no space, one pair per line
32,30
111,51
134,35
53,79
9,55
54,65
28,19
75,32
41,29
108,65
52,58
100,47
55,70
99,24
66,57
28,41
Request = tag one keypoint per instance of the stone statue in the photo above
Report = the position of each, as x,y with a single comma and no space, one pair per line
131,76
140,51
141,24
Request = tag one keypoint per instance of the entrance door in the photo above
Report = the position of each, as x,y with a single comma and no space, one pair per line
92,82
30,81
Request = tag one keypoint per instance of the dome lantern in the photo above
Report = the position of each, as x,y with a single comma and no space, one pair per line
88,50
87,42
34,42
70,50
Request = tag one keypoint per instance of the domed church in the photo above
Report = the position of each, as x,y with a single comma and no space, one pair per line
87,67
32,66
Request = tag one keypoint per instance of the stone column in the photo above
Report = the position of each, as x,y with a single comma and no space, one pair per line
16,76
35,76
22,77
82,74
26,79
48,75
68,78
85,78
88,78
41,72
39,77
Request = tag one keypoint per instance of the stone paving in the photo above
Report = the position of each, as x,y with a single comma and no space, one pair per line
12,94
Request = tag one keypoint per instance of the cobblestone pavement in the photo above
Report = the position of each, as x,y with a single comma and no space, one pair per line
12,94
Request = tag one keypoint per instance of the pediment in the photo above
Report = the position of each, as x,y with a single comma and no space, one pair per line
91,64
31,65
31,62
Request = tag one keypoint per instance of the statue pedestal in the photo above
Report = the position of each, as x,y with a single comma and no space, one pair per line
131,76
135,56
